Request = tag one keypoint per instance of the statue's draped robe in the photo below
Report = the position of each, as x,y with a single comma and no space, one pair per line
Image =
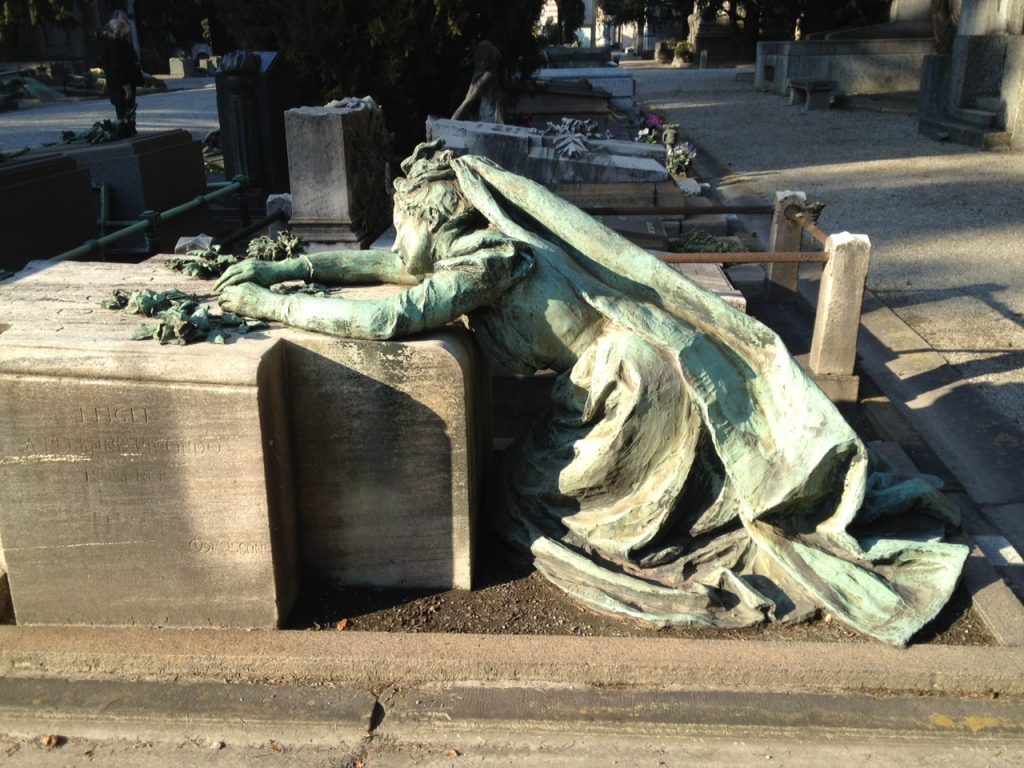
689,472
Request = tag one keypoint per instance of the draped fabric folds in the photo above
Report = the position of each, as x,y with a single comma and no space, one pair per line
689,472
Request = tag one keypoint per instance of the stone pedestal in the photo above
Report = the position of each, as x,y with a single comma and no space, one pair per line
175,486
46,208
337,162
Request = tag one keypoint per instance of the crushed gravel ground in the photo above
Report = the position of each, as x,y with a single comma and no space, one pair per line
944,220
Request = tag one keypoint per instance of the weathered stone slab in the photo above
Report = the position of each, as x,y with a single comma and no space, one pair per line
158,485
533,154
35,193
154,493
619,83
337,163
663,194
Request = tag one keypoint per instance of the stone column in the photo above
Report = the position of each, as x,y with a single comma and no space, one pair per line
786,235
837,319
337,163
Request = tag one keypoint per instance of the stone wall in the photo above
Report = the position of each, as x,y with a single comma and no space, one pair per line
856,66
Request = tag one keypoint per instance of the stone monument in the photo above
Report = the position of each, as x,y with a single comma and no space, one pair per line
191,485
971,90
687,472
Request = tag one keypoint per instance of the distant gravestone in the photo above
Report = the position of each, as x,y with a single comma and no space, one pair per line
337,160
254,88
553,159
178,486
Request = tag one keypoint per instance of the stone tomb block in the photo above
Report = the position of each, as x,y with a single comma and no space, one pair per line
174,485
149,172
46,208
153,171
144,498
387,457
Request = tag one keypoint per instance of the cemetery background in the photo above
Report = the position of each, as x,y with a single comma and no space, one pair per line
761,172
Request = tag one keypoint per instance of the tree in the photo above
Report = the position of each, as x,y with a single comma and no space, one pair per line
570,18
414,57
15,13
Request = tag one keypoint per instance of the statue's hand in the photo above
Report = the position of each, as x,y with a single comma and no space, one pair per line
254,271
250,300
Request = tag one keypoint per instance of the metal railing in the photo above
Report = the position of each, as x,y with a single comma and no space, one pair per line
149,221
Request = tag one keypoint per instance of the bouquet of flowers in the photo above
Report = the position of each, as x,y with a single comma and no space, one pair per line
650,132
679,159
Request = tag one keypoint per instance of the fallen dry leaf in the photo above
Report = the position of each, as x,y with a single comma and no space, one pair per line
276,746
343,625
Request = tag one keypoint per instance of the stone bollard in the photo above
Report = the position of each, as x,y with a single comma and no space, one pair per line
837,319
786,235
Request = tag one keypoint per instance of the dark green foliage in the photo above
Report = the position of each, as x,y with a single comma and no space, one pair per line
414,57
570,18
181,319
14,13
284,245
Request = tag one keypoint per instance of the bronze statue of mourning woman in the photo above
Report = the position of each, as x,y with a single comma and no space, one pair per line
687,471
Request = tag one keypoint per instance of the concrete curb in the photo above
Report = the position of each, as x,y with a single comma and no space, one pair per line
374,661
326,687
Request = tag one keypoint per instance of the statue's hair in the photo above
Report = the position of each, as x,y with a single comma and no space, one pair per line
430,183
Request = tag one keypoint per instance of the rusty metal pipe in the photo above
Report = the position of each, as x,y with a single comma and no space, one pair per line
673,210
794,214
750,257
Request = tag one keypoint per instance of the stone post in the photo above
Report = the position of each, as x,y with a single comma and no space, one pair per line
337,163
786,235
837,320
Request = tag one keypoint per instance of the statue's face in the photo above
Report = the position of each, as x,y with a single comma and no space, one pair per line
413,241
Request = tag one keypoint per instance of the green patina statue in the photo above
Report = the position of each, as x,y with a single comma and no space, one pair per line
688,471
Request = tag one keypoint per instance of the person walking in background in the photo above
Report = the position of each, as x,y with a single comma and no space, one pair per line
121,65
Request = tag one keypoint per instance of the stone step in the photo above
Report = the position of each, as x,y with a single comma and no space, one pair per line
980,117
964,133
989,103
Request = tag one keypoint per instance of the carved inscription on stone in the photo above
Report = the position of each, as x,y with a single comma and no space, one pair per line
136,502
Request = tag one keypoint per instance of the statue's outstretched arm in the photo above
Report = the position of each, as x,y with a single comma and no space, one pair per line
328,267
440,298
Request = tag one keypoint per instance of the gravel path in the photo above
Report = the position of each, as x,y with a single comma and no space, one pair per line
945,221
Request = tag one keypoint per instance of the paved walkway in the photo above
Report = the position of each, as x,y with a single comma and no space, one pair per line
947,229
189,103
